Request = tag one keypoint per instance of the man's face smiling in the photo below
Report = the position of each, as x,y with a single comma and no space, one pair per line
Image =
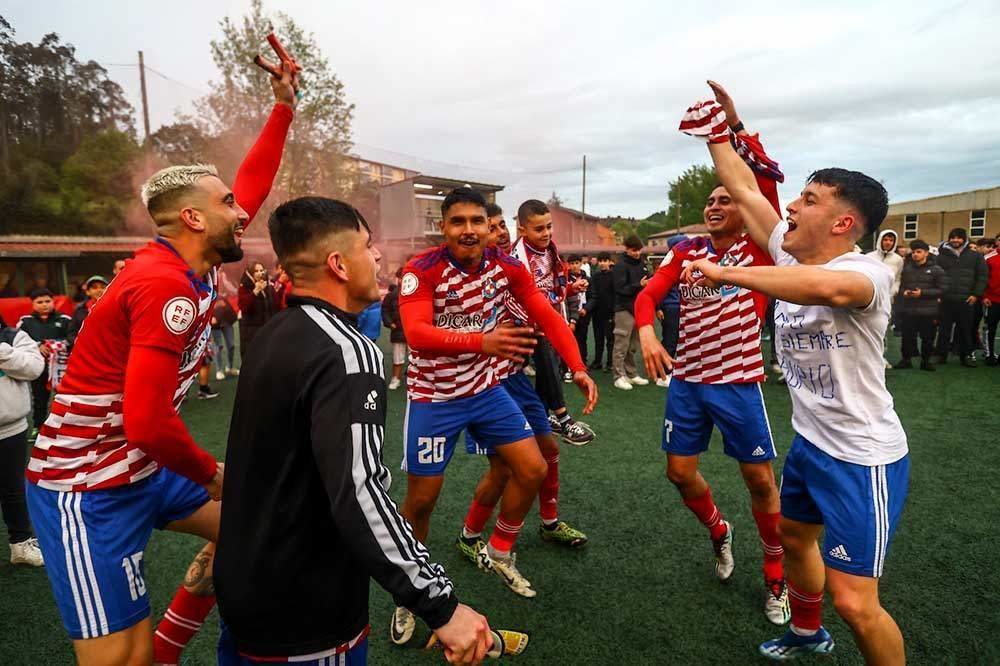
720,213
466,232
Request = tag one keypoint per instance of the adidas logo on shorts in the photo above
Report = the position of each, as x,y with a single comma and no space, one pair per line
840,553
758,451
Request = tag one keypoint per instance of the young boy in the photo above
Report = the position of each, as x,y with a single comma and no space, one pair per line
44,324
600,307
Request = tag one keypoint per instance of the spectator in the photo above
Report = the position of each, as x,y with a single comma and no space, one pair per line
601,308
586,261
282,285
983,246
258,303
117,268
991,300
20,363
391,320
668,311
886,251
223,319
922,285
629,277
94,288
370,321
966,271
81,293
42,325
576,313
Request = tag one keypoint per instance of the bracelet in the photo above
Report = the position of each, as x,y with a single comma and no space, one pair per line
738,127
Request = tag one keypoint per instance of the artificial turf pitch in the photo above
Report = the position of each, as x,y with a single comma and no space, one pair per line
643,590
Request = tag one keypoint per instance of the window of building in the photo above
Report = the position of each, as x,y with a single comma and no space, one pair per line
977,224
910,227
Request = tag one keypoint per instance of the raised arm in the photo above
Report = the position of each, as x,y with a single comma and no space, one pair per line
256,173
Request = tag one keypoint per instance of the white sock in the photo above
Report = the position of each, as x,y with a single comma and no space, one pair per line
550,522
497,554
469,535
802,632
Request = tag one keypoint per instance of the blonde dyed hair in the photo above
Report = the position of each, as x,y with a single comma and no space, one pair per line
174,179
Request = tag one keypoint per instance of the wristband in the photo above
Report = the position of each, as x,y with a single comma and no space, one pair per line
737,128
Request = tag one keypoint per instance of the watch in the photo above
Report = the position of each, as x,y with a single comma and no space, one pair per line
738,127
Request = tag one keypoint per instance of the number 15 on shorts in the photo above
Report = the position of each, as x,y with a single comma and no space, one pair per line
430,450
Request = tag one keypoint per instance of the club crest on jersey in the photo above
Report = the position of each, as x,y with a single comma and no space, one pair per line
489,288
179,314
728,289
408,284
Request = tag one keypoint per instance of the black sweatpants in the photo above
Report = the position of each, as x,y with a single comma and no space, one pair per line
914,327
604,337
670,328
40,398
13,457
548,383
582,326
957,315
992,320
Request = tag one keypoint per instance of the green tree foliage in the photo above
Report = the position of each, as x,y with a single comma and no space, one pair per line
688,194
67,139
316,157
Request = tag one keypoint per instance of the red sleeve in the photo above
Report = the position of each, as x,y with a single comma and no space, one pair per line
416,310
657,288
151,422
256,174
160,312
542,313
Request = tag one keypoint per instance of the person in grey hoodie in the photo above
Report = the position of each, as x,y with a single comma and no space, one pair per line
20,363
885,251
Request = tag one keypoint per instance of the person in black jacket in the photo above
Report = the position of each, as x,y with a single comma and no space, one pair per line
967,275
94,287
630,277
600,306
43,324
392,321
921,285
258,302
306,518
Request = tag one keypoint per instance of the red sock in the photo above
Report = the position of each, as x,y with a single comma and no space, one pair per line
807,609
548,493
706,511
767,526
179,625
504,535
477,516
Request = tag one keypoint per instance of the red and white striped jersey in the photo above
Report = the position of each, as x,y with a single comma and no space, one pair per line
468,302
719,335
155,301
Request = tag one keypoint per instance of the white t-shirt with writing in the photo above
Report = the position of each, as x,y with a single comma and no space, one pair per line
832,359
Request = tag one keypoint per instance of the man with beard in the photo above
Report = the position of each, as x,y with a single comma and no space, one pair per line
106,469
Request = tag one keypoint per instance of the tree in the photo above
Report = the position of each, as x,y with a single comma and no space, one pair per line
316,157
688,194
555,200
66,139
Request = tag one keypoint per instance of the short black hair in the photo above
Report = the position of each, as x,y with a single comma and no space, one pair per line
529,208
958,232
604,256
492,210
863,192
573,257
296,225
633,242
38,292
919,245
462,195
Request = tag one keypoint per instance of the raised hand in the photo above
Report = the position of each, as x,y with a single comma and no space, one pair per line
706,121
725,101
703,273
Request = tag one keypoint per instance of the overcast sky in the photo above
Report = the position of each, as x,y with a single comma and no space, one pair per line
515,93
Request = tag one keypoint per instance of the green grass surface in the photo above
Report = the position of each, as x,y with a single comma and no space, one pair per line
643,591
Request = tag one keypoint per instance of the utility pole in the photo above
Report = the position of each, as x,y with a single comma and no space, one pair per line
145,103
583,206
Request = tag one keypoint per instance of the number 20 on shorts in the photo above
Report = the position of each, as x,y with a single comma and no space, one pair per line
430,449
